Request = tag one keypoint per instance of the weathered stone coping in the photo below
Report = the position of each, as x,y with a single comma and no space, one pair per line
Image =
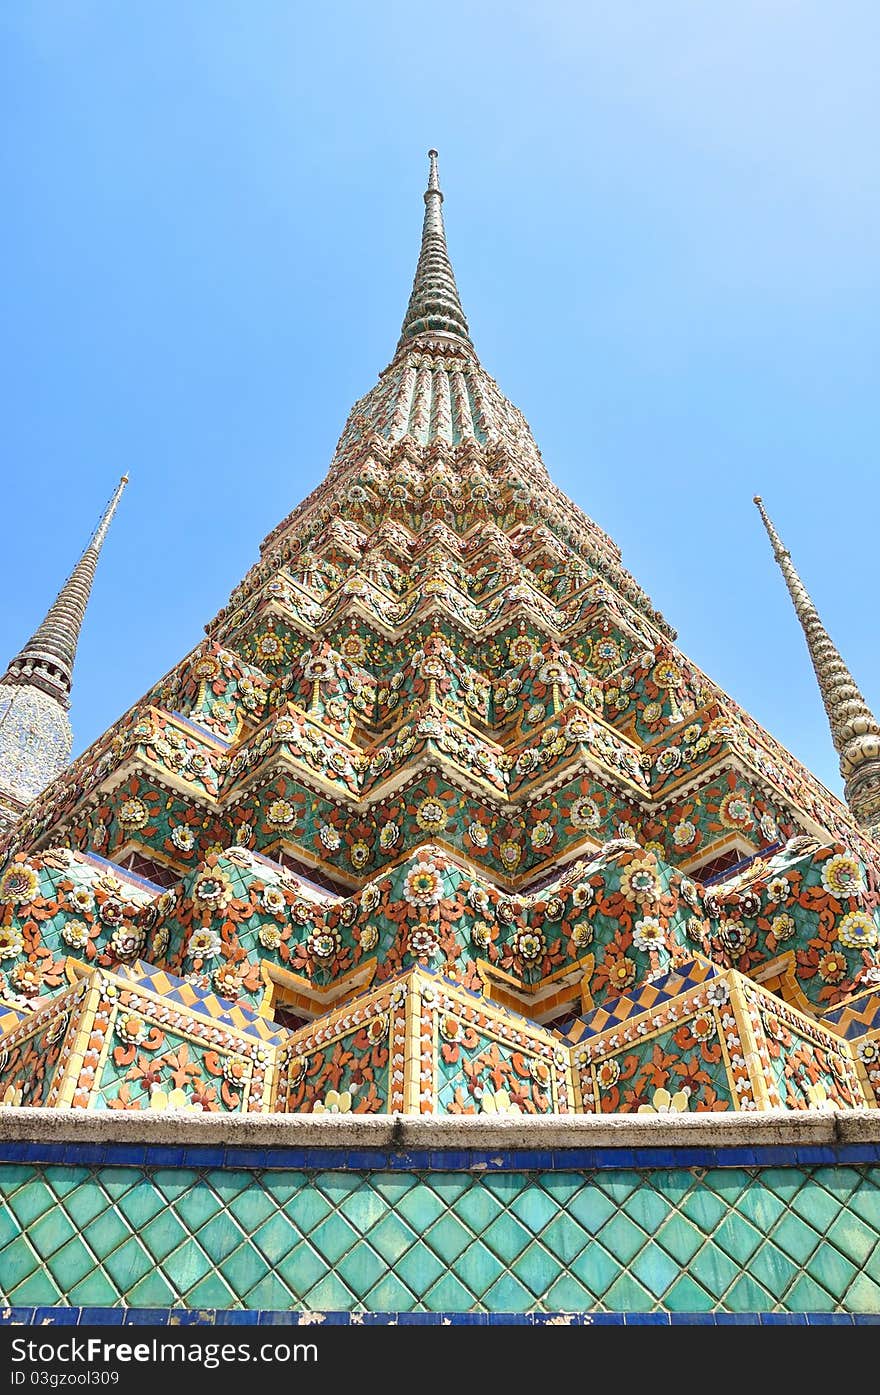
404,1133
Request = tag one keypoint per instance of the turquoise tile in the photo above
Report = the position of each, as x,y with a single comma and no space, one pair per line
228,1183
211,1292
564,1237
330,1296
655,1269
275,1238
85,1203
449,1186
116,1181
13,1175
17,1261
61,1180
421,1207
477,1268
772,1269
504,1185
163,1234
840,1181
363,1208
747,1296
220,1237
592,1208
568,1296
805,1296
30,1202
36,1289
141,1204
389,1295
830,1269
243,1268
865,1201
761,1206
307,1210
673,1184
680,1238
621,1238
863,1296
647,1209
537,1268
507,1295
627,1296
336,1186
186,1265
391,1186
9,1226
447,1237
127,1264
794,1237
562,1186
251,1208
784,1182
94,1291
852,1237
302,1269
704,1208
447,1295
174,1181
270,1292
420,1268
392,1237
815,1205
282,1186
618,1185
596,1268
333,1238
506,1237
361,1269
737,1237
50,1232
712,1268
687,1296
70,1264
105,1233
197,1207
153,1291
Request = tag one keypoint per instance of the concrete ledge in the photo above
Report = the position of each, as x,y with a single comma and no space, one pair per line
402,1133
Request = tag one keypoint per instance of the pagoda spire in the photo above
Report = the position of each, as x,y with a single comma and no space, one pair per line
854,729
47,660
434,305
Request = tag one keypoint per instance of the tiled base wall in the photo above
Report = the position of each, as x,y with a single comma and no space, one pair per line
335,1232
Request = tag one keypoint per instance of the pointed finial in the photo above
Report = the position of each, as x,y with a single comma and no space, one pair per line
434,305
854,729
47,660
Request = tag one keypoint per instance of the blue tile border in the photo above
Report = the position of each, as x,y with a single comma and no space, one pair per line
433,1160
185,1317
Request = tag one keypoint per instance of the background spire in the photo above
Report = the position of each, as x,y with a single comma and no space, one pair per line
434,304
854,729
47,660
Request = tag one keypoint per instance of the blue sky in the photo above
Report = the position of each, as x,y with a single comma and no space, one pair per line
664,220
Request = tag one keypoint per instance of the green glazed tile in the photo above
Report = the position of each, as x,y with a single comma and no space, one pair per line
504,1185
116,1181
737,1238
591,1208
389,1295
196,1207
252,1208
9,1226
535,1209
561,1185
37,1288
307,1210
244,1268
795,1238
219,1237
174,1181
618,1185
568,1296
391,1186
30,1202
270,1292
784,1182
211,1292
336,1185
704,1208
805,1296
17,1261
421,1208
94,1291
186,1265
228,1182
141,1204
865,1201
13,1175
840,1181
647,1209
62,1180
281,1186
50,1232
506,1237
275,1238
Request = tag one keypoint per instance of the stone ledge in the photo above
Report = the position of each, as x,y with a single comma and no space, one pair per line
402,1133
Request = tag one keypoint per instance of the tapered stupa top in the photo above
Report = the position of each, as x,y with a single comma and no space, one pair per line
47,660
854,729
434,305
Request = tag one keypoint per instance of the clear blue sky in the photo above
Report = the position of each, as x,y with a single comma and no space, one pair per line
665,222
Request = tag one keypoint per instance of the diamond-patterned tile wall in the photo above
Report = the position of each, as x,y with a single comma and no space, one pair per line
787,1239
